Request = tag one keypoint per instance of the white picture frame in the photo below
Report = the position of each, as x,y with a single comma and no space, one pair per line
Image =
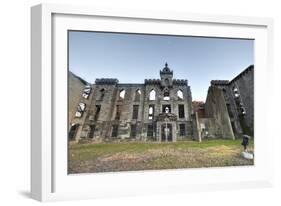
49,178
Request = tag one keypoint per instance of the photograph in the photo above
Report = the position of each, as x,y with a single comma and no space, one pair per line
140,102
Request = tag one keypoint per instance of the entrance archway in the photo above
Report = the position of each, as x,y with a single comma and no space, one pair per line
166,132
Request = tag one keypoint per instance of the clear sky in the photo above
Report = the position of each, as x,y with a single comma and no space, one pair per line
131,58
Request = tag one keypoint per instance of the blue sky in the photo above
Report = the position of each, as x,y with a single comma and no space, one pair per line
132,58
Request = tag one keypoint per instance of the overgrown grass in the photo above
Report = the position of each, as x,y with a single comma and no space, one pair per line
105,157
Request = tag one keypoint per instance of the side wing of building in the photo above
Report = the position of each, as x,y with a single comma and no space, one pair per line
233,101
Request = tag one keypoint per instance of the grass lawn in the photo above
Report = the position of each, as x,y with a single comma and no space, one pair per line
132,156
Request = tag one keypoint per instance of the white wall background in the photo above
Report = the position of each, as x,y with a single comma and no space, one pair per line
15,95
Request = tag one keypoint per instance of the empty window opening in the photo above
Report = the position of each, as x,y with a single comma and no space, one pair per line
152,95
85,95
182,129
235,91
87,91
80,109
114,131
102,93
73,130
137,95
181,111
78,114
150,130
118,112
133,131
180,95
166,108
122,94
98,107
135,111
151,112
92,131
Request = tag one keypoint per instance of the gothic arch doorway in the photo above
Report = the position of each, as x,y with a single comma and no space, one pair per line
166,132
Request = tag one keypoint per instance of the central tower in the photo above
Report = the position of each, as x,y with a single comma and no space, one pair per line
166,76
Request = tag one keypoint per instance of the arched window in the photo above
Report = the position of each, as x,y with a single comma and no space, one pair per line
137,95
235,91
87,91
80,109
152,95
166,108
122,94
166,95
151,112
180,94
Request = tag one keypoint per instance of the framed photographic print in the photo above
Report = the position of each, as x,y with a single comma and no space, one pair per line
137,102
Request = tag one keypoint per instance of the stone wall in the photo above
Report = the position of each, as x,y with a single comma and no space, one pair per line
75,89
111,101
239,99
105,104
76,94
209,125
215,107
244,83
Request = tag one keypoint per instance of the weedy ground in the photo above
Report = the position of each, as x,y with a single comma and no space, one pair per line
133,156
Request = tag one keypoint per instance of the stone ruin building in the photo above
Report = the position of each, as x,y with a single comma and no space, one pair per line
229,108
159,109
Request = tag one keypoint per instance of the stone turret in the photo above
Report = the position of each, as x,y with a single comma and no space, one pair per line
166,76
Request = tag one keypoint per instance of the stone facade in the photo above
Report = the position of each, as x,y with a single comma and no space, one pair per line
216,109
75,89
157,110
231,105
160,109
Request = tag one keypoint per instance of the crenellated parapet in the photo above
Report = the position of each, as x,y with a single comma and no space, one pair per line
219,82
152,81
177,82
180,82
109,81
